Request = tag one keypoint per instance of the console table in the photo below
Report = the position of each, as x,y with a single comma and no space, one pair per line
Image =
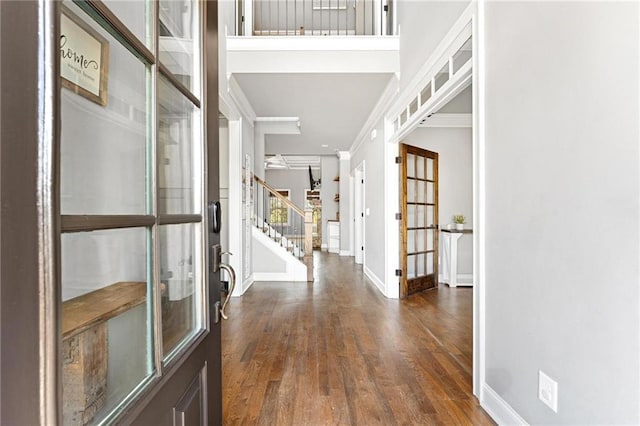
450,255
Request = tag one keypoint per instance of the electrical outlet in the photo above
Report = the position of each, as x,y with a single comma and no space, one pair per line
548,391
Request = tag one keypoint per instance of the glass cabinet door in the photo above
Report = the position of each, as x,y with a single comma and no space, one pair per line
131,196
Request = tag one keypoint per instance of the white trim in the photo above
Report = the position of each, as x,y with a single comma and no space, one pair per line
245,286
376,115
501,412
344,155
345,253
241,100
248,18
391,206
374,279
447,120
227,107
358,208
313,43
462,280
449,90
274,276
435,62
479,202
234,221
278,125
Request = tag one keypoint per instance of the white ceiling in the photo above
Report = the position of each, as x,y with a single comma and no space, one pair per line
332,107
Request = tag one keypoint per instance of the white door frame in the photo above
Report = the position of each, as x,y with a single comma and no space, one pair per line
475,13
359,216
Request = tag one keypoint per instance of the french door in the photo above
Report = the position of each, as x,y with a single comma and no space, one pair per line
121,123
419,224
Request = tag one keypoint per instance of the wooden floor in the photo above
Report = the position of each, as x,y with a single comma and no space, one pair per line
337,352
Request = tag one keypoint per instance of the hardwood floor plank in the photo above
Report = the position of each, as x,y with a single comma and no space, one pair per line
336,352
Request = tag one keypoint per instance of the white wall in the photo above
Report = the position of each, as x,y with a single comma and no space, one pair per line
345,204
247,241
296,181
328,190
224,181
371,152
455,181
562,208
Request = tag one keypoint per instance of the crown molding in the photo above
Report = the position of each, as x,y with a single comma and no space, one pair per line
241,101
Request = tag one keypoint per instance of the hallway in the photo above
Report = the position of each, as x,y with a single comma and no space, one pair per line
338,352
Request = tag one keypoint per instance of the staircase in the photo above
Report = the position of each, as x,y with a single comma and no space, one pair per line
284,223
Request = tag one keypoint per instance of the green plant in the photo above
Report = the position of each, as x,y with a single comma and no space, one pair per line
459,218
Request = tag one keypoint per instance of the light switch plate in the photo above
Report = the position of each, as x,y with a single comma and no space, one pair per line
548,391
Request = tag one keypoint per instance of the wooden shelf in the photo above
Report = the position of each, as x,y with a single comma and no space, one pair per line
83,312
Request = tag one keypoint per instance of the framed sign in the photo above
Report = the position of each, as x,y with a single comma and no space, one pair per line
84,58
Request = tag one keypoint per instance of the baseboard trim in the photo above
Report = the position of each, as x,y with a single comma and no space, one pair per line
247,284
374,279
277,276
499,410
345,253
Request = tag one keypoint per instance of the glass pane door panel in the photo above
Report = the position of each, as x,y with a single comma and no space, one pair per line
429,238
420,191
421,216
430,269
430,216
106,326
411,165
177,132
104,148
420,168
411,241
179,43
181,283
421,268
135,15
430,168
421,242
411,215
411,191
430,192
411,266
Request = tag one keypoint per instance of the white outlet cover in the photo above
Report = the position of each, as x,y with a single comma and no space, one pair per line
548,391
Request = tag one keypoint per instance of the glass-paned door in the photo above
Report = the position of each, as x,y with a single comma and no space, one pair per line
132,194
419,226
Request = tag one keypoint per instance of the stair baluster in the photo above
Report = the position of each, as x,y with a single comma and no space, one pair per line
285,223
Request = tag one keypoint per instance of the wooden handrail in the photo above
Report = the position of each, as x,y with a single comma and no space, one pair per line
279,196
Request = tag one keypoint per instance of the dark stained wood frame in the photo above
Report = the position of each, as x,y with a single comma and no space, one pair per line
408,287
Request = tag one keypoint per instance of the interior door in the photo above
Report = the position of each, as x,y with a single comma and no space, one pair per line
139,242
419,224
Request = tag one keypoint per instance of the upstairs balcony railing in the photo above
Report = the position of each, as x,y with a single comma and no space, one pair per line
315,17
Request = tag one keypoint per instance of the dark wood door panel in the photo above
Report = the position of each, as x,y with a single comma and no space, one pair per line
181,394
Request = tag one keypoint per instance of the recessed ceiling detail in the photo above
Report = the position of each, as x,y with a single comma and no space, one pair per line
332,108
292,162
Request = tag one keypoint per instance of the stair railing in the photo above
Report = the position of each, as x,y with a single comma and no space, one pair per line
284,222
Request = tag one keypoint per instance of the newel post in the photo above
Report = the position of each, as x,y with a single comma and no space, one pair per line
308,243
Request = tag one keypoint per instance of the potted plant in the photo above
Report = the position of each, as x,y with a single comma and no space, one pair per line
459,220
